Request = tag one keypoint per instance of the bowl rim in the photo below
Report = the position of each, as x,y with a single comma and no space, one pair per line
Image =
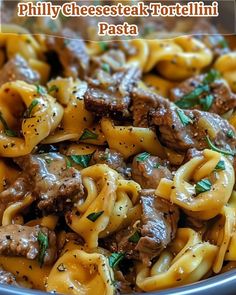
220,284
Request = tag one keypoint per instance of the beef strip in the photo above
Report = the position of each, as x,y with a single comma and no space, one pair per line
142,103
111,158
150,171
192,153
71,52
7,278
55,186
157,228
19,240
109,93
17,69
224,99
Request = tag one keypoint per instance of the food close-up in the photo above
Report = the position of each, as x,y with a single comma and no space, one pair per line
117,156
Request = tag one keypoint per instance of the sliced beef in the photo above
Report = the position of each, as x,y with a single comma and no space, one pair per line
7,278
192,153
149,170
109,157
142,103
109,94
17,69
71,51
223,98
157,227
55,186
18,240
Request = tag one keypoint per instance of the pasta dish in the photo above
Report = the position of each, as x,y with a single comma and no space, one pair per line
117,157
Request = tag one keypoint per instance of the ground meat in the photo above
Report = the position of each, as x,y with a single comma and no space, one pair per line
156,229
71,52
18,240
55,186
109,94
7,278
224,99
149,171
17,69
142,102
111,158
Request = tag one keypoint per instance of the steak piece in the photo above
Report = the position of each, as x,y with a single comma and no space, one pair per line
54,185
223,98
17,69
155,231
19,240
71,51
148,171
109,94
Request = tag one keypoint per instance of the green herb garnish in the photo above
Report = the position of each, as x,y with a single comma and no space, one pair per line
142,157
135,238
230,134
106,67
94,216
87,134
206,102
40,90
29,110
43,246
223,43
220,165
9,132
115,259
185,120
192,98
82,160
53,88
68,163
210,77
103,45
156,165
216,149
202,186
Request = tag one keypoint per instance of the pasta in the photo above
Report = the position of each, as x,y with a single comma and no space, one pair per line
117,157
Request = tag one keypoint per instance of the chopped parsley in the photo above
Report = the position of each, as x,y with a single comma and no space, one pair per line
185,120
115,259
29,110
68,163
106,67
94,216
103,45
223,43
82,160
206,102
156,165
202,186
53,88
40,90
87,134
9,132
220,165
216,149
192,98
135,237
142,157
43,246
230,134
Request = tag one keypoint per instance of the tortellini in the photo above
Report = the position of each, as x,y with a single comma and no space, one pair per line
186,261
226,65
107,206
78,272
28,115
206,204
175,59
